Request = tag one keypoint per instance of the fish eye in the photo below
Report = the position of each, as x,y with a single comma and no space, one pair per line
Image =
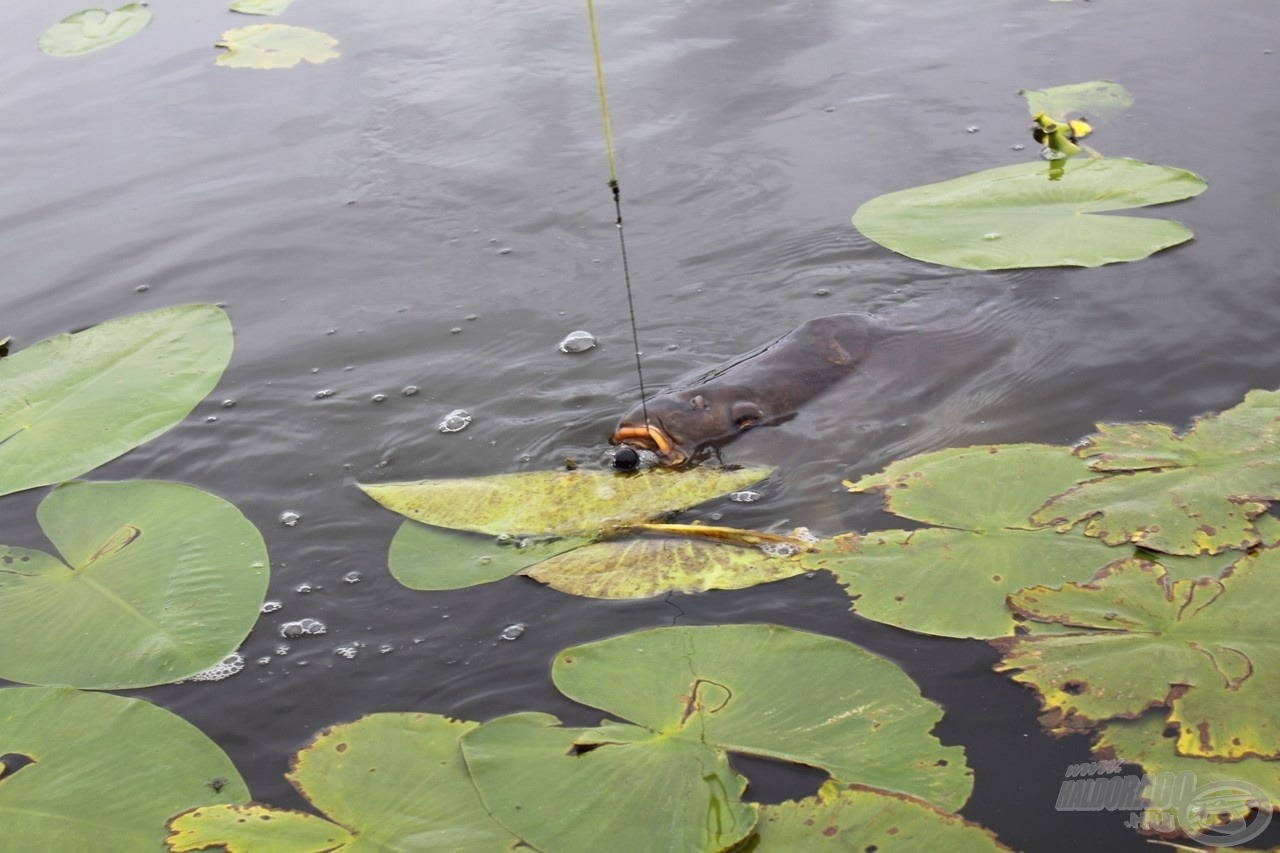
698,401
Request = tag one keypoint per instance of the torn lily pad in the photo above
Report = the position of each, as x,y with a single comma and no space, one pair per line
73,402
1014,216
94,29
160,582
557,503
953,580
1207,649
104,772
1194,493
274,46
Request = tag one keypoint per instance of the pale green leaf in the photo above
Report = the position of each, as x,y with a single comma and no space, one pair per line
260,7
72,402
274,46
160,582
426,557
1097,99
94,29
254,829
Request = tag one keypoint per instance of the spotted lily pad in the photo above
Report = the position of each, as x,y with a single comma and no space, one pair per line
73,402
101,772
557,503
861,819
953,580
274,46
1017,216
1207,649
384,782
160,582
1194,493
94,29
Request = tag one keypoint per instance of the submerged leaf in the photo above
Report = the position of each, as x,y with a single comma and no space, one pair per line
1015,216
640,568
426,557
104,772
861,819
94,29
1197,493
776,693
73,402
161,581
618,787
274,46
1206,648
557,503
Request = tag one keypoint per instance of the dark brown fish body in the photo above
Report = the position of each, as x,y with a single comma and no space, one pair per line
763,387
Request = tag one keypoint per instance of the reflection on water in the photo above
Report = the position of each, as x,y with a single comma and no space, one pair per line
429,211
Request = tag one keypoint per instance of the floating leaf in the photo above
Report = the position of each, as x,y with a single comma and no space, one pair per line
94,29
385,782
776,693
1185,494
640,568
72,402
1206,648
1014,216
619,786
861,819
105,772
161,581
1175,786
260,7
274,46
425,557
557,503
953,581
1097,99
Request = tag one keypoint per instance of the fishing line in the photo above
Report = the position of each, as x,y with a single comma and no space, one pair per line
617,204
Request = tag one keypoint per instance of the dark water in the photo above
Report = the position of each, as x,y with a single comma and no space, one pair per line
430,210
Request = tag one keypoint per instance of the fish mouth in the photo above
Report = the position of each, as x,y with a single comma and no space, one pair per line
650,437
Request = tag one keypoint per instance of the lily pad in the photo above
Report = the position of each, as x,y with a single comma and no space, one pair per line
94,29
73,402
860,819
618,787
1015,216
953,581
557,503
1195,493
426,557
776,693
641,568
105,772
1207,649
260,7
1098,99
161,581
274,46
385,782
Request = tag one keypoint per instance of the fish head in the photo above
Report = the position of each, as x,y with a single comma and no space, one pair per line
680,425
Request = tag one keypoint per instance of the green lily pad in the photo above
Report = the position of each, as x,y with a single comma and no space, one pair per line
1196,493
260,7
1184,794
72,402
1098,99
94,29
1015,216
426,557
618,787
106,772
161,581
641,568
953,581
1207,649
274,46
385,782
860,819
776,693
557,503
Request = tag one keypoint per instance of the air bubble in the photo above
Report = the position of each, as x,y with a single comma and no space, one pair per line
347,652
409,390
326,392
229,666
386,649
228,403
746,496
512,632
303,588
577,341
378,398
271,606
302,628
289,518
455,421
992,235
353,577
